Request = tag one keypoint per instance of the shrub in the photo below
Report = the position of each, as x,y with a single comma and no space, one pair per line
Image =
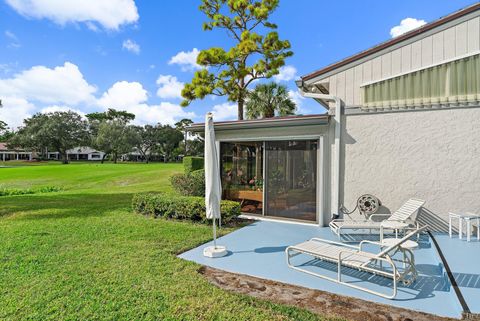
181,207
192,184
192,163
5,191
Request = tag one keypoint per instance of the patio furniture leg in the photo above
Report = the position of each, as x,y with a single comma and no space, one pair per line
478,229
468,222
450,226
460,225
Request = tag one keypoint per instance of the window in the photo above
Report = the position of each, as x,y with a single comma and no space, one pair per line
242,174
451,82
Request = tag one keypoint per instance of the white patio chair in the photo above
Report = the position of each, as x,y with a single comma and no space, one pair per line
355,257
402,215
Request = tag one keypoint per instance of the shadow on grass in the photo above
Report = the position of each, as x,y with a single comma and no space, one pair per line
58,206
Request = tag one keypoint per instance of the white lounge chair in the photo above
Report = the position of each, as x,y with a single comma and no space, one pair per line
402,215
354,257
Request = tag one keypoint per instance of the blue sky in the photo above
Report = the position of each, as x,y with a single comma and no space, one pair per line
87,55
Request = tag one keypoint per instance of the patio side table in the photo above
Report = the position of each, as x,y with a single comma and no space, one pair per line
406,248
467,218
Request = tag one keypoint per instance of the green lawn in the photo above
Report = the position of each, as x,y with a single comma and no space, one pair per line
82,254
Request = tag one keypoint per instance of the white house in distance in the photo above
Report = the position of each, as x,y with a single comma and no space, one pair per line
79,153
402,121
7,154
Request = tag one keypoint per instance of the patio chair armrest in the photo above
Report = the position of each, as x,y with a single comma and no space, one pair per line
334,243
369,242
342,220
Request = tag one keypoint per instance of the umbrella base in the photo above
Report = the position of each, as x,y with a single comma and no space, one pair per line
212,251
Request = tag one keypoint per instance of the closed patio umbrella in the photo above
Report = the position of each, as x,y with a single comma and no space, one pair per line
212,186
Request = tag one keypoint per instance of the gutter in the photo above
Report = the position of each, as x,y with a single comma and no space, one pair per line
338,133
264,123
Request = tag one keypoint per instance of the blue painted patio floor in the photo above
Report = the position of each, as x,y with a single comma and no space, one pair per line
258,250
463,259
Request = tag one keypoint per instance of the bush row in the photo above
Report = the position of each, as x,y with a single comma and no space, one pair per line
5,191
192,184
181,207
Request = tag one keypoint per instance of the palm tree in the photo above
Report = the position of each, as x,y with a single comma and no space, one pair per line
269,99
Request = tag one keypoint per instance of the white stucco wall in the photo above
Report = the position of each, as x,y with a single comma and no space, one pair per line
433,155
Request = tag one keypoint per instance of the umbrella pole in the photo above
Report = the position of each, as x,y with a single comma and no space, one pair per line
214,234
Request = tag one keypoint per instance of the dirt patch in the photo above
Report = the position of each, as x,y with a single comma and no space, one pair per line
320,302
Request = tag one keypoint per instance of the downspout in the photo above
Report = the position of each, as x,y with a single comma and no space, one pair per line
336,156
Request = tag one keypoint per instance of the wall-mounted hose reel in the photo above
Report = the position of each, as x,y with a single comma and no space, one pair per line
367,205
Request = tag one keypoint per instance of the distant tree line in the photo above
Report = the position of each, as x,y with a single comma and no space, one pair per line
110,132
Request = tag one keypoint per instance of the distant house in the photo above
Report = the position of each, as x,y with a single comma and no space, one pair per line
7,154
79,153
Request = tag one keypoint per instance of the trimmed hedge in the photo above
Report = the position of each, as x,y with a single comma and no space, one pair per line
5,191
181,207
192,163
192,184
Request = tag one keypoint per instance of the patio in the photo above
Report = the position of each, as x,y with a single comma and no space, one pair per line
258,250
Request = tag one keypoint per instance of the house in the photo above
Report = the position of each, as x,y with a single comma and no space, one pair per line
7,154
79,153
402,121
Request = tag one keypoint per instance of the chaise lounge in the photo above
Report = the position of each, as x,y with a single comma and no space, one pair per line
398,220
354,257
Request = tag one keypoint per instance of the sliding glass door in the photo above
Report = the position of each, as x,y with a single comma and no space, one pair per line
290,172
291,179
242,174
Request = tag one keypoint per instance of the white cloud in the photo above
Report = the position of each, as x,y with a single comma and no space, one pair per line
169,87
225,111
92,26
62,84
296,97
406,25
132,97
131,46
54,108
110,14
165,113
299,100
287,73
123,94
41,89
14,42
15,110
187,60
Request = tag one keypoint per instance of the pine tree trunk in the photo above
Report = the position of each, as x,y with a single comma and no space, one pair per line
241,102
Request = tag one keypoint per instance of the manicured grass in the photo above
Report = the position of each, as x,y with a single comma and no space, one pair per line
82,254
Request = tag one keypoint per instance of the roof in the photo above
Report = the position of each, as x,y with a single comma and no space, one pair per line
3,146
82,150
386,44
297,120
